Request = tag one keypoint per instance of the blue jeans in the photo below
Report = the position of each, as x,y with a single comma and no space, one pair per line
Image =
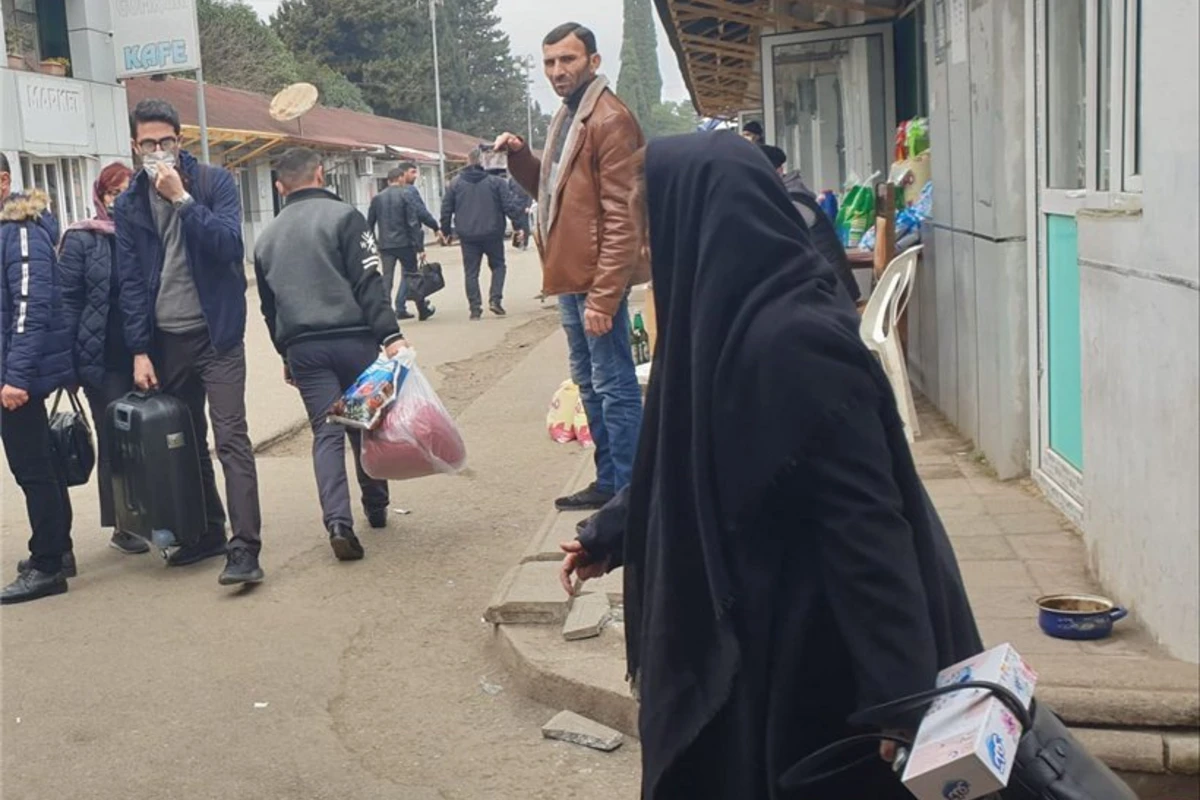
603,368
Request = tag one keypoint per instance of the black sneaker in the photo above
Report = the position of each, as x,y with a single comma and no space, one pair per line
378,518
425,313
497,309
128,544
33,585
476,316
68,565
403,315
194,554
345,544
241,566
589,499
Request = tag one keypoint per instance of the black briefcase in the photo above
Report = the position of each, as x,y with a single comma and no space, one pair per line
71,441
157,492
1050,763
428,281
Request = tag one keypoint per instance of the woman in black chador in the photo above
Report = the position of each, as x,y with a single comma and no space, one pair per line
783,564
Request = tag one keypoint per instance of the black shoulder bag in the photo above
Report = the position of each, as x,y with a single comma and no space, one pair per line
1051,764
71,441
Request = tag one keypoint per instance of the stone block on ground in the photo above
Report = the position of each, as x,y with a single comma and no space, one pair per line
612,585
586,619
529,593
567,726
1183,753
558,529
1131,751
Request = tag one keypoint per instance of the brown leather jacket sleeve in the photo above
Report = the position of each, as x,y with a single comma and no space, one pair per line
525,167
618,139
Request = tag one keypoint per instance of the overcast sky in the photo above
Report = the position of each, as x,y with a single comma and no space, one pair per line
527,21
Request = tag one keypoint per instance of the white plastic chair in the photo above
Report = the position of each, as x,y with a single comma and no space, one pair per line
878,330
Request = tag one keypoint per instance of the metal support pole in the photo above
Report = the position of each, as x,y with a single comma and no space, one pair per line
437,93
202,115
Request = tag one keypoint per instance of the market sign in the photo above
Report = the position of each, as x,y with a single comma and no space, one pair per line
53,110
155,36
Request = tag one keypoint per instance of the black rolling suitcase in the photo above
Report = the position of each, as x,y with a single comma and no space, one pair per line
157,490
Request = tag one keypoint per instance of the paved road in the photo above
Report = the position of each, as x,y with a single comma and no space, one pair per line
349,681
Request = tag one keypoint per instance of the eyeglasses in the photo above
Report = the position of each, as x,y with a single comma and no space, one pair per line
167,143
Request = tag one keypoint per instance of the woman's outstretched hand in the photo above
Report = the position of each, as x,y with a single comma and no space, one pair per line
577,562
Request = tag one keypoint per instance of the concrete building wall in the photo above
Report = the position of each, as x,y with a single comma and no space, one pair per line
1140,320
968,327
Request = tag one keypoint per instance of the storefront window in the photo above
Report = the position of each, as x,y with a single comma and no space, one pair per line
830,101
64,180
1104,87
1066,93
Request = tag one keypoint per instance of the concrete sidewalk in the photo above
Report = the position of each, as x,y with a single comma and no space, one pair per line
1135,707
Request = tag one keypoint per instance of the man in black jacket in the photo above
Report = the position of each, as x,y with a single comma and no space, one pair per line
395,216
474,208
318,278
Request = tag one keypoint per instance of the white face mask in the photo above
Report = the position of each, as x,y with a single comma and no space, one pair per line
151,161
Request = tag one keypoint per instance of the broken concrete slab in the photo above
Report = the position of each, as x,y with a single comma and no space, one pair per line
567,726
529,594
557,529
612,585
586,619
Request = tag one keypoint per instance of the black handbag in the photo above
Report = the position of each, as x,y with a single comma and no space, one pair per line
1050,763
428,281
71,441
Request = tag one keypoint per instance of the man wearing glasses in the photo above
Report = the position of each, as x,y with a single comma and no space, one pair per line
183,297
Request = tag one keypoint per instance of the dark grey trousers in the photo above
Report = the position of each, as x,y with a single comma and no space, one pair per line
473,253
189,368
322,369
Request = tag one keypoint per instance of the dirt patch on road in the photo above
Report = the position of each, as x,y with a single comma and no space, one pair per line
460,383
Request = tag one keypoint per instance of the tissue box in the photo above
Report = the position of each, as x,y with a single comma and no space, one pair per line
967,740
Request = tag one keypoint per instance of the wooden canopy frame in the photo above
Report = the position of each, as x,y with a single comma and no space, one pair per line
717,42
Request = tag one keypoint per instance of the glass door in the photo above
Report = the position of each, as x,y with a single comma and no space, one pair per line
1068,132
829,102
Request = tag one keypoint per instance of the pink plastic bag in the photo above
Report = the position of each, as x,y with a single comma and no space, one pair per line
417,436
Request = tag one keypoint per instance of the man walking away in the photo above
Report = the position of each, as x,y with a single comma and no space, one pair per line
35,359
474,208
318,278
590,247
522,226
824,235
183,298
395,217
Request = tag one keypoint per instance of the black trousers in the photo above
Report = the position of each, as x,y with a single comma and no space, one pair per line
116,385
473,253
409,270
26,435
189,368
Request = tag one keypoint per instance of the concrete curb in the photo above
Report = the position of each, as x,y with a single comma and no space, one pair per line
550,673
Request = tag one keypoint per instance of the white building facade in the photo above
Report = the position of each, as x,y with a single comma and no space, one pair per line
58,131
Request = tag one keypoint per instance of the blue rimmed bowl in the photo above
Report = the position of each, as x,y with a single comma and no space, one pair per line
1078,616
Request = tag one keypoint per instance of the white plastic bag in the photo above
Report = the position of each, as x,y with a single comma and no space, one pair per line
417,436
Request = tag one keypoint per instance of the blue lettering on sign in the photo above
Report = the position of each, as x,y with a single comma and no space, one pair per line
956,790
155,55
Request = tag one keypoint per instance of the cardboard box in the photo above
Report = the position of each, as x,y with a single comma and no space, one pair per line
967,740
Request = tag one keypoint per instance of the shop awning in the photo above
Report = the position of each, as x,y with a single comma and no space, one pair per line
717,41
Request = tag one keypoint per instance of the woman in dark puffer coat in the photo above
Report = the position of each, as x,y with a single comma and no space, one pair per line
87,261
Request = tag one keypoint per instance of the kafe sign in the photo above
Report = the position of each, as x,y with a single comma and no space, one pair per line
53,110
155,36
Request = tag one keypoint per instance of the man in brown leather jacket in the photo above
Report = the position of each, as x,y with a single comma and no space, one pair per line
589,244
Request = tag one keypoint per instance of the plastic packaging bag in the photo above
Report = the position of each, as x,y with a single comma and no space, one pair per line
362,405
417,436
566,421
